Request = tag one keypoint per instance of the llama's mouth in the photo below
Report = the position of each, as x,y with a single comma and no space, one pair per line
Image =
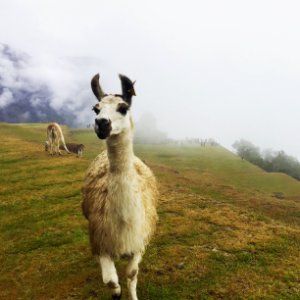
102,133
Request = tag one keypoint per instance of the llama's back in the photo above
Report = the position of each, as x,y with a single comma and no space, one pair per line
149,192
95,192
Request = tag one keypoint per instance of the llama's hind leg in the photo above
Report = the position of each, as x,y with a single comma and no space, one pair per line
110,276
132,271
51,148
57,147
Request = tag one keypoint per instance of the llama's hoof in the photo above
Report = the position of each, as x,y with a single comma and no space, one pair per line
117,297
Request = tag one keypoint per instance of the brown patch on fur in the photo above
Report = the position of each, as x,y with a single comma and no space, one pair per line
132,274
74,148
112,285
127,256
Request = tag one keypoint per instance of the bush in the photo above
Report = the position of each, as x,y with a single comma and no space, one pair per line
268,160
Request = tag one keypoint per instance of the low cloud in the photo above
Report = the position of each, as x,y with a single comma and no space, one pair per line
6,97
47,85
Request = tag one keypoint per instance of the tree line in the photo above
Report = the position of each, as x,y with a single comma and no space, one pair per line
270,161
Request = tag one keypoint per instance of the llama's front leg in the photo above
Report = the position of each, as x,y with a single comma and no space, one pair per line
132,271
110,276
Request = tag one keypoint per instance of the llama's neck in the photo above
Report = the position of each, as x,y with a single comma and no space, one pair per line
120,153
124,203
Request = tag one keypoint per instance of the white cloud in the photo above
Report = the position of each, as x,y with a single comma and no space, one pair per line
6,97
35,101
221,69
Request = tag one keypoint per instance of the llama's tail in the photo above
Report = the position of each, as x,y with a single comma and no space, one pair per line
63,139
64,144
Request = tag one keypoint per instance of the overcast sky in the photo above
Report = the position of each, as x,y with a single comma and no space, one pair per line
219,69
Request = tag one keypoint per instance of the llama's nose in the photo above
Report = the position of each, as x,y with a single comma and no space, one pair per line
102,128
102,123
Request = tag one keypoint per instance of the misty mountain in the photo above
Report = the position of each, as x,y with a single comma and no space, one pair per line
22,98
31,107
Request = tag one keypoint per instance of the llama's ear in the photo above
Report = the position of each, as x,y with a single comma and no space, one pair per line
96,88
127,88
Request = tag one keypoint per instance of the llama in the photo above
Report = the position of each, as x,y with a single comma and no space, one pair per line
119,193
55,135
73,148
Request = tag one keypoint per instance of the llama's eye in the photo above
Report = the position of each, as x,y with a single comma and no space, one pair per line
122,108
96,110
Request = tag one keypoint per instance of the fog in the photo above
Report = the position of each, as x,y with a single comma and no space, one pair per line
220,69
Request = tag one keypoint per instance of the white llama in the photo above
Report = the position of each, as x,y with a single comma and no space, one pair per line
119,193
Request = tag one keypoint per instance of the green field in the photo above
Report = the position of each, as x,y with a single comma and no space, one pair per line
222,233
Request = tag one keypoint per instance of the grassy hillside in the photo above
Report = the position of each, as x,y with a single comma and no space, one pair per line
222,233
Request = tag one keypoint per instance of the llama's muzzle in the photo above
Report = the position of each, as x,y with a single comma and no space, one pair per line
102,128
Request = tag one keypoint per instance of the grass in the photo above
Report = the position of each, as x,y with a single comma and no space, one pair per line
222,234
